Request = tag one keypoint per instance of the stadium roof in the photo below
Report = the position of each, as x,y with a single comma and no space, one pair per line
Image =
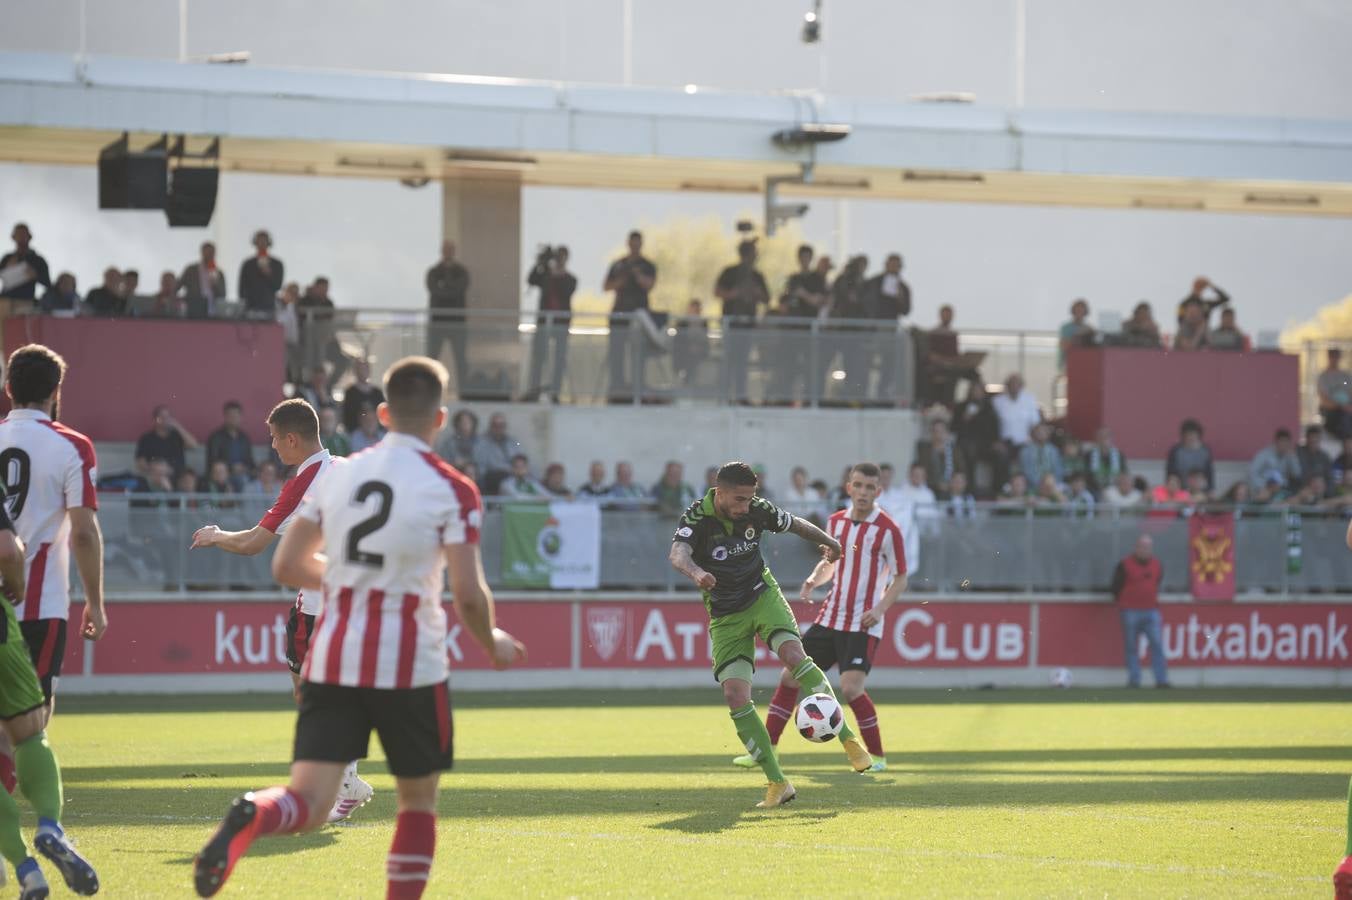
61,109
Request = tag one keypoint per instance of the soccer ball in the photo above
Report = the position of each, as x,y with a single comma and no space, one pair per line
819,718
1061,678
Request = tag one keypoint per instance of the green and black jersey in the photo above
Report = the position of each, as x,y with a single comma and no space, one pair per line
730,550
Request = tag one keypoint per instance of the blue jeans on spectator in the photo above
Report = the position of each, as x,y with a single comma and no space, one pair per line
1136,622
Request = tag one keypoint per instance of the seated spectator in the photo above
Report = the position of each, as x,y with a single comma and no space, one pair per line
690,346
268,484
1171,493
671,492
1276,463
625,493
1040,457
1198,297
1017,410
1343,462
802,499
1190,453
229,443
945,326
1239,495
1075,333
315,391
1227,336
164,303
1049,490
289,319
456,443
1104,461
187,482
941,457
1341,497
1140,330
331,438
1192,330
1313,460
219,485
1073,459
555,481
520,484
493,453
1123,493
1015,496
203,285
1311,493
1078,496
1335,396
596,487
763,483
360,393
369,430
107,300
960,503
62,297
166,440
1196,486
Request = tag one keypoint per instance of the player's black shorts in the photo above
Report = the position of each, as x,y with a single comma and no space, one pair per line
46,639
846,649
414,726
300,628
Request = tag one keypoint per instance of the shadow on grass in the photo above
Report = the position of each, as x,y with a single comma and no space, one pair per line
280,846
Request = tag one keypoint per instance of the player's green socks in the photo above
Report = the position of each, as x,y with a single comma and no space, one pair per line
1349,819
751,732
39,776
12,846
813,680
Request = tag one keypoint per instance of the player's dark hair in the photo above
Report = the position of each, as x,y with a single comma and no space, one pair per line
34,374
736,474
297,417
413,389
867,469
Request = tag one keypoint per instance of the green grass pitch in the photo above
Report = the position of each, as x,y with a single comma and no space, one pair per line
630,794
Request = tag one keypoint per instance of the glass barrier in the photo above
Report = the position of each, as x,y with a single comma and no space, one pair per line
1278,551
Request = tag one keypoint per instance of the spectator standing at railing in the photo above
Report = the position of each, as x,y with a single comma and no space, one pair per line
1073,460
1141,329
520,484
625,493
916,507
941,456
493,453
1104,461
1197,295
1314,462
743,290
1192,326
107,300
888,299
1123,492
1227,336
331,437
61,297
369,430
1136,587
166,440
458,441
1039,457
1277,462
1334,386
553,316
360,394
1191,453
316,309
203,284
805,293
1075,333
977,427
165,303
631,277
23,267
1018,411
260,278
288,316
671,492
842,339
447,300
596,487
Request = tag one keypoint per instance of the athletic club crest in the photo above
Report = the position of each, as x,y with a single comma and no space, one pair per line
605,627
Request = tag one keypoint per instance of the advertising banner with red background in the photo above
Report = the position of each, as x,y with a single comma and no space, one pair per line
1211,556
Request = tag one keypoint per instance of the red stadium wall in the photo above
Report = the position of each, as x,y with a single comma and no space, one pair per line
610,641
1143,395
120,369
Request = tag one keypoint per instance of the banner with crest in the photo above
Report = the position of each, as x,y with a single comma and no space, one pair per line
551,545
1211,556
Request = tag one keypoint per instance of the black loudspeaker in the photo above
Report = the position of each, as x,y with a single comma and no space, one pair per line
192,197
132,180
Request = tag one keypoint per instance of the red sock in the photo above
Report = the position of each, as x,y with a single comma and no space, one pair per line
7,776
867,718
781,709
280,811
410,859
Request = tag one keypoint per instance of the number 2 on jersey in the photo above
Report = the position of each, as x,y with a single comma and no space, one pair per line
371,524
15,467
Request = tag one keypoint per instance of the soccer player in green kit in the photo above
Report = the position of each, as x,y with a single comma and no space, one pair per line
717,546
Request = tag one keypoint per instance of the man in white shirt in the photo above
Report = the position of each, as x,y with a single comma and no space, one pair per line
1018,411
911,505
802,499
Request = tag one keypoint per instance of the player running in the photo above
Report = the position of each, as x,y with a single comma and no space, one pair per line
23,716
717,546
49,473
389,522
294,428
869,579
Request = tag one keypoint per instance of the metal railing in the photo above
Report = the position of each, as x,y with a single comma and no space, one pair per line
1278,550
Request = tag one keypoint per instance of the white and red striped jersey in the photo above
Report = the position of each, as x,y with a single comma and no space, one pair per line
386,513
47,469
309,475
872,556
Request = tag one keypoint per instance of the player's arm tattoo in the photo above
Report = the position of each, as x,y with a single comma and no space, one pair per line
682,558
814,535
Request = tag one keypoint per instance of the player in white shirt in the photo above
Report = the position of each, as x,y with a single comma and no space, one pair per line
390,522
866,581
294,428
